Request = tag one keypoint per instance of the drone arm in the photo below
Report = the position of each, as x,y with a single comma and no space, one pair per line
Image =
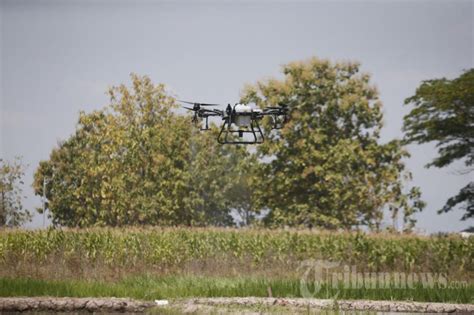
276,113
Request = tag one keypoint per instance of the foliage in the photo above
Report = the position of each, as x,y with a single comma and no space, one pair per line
175,287
327,167
242,195
137,162
12,212
161,248
443,112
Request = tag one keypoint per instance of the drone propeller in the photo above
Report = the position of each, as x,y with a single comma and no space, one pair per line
279,107
209,111
205,112
198,104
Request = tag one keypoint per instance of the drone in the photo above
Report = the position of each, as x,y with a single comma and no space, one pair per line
240,119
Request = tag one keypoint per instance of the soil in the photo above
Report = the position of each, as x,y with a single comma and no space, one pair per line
248,305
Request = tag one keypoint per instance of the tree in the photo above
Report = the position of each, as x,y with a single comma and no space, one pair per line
443,112
327,166
137,162
12,212
242,194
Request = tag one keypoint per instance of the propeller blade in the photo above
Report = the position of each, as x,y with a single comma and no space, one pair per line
190,108
198,104
271,110
213,111
186,102
277,107
205,104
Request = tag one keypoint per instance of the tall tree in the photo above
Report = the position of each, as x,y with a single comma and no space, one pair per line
443,112
327,166
137,162
12,212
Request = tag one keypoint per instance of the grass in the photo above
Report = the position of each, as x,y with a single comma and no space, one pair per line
173,263
175,287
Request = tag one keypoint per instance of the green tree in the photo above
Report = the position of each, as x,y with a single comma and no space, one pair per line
443,112
327,167
242,194
12,212
138,162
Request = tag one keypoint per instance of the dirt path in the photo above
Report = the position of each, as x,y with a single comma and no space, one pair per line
223,305
53,304
346,305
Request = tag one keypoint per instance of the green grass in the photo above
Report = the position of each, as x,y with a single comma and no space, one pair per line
173,287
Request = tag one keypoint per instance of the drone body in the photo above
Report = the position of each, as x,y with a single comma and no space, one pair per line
239,119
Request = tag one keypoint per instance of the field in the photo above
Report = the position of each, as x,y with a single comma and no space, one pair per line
150,263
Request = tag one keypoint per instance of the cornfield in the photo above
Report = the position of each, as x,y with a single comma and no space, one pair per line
173,248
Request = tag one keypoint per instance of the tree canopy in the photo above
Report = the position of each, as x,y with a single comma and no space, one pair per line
327,166
138,162
12,212
443,112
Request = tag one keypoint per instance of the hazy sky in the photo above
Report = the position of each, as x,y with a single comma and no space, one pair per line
59,57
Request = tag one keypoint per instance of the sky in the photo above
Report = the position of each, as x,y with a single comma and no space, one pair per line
59,57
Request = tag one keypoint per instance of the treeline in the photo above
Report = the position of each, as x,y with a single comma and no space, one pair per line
138,162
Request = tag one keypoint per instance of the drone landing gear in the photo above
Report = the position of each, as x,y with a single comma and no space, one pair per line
255,131
206,125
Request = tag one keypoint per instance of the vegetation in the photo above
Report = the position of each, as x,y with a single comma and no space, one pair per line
117,253
172,287
443,112
12,212
137,162
170,263
327,166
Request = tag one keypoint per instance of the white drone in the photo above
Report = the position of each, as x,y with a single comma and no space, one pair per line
241,119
